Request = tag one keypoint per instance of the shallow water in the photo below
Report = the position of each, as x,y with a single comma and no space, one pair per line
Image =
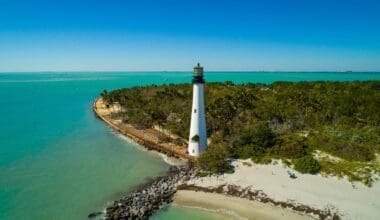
190,213
58,161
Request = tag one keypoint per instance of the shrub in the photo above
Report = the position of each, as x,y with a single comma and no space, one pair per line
246,152
164,138
307,164
140,121
262,160
354,151
345,149
201,174
179,142
215,159
290,146
258,134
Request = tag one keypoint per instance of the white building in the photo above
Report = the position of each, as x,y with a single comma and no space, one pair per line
198,135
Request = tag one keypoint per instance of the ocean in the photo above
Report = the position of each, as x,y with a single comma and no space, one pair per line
58,161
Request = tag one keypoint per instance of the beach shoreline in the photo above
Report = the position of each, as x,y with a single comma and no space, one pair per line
233,206
320,197
147,138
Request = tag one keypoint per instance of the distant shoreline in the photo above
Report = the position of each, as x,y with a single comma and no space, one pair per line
183,71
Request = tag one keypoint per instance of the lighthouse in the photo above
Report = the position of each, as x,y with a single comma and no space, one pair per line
198,135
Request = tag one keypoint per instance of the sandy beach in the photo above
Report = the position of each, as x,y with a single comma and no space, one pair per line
348,200
233,206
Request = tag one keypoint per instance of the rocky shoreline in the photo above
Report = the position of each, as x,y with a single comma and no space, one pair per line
149,197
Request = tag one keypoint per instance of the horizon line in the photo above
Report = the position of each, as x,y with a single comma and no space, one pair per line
187,71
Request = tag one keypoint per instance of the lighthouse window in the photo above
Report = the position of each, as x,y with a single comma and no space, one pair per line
195,111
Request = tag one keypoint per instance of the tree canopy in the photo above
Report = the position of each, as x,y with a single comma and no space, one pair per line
283,119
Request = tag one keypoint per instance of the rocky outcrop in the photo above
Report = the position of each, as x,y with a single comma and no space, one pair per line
144,201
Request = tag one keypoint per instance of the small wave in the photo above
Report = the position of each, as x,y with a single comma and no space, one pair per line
169,160
220,211
129,140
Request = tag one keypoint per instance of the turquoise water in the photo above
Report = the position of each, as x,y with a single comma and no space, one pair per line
57,161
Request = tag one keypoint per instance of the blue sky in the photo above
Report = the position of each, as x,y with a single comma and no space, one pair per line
173,35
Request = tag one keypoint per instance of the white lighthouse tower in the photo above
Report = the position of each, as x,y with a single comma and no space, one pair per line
198,135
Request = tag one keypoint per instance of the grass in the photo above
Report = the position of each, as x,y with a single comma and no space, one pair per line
365,172
202,173
355,171
262,160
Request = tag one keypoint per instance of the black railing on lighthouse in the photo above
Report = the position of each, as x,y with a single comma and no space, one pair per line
198,74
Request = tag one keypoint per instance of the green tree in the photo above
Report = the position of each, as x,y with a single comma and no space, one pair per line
307,164
290,146
257,133
215,159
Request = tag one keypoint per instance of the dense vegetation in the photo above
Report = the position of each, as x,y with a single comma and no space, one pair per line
283,120
307,164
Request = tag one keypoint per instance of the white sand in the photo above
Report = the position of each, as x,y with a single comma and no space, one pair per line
359,202
238,207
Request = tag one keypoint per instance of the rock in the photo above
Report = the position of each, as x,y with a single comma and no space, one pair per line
173,169
143,202
94,214
134,211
